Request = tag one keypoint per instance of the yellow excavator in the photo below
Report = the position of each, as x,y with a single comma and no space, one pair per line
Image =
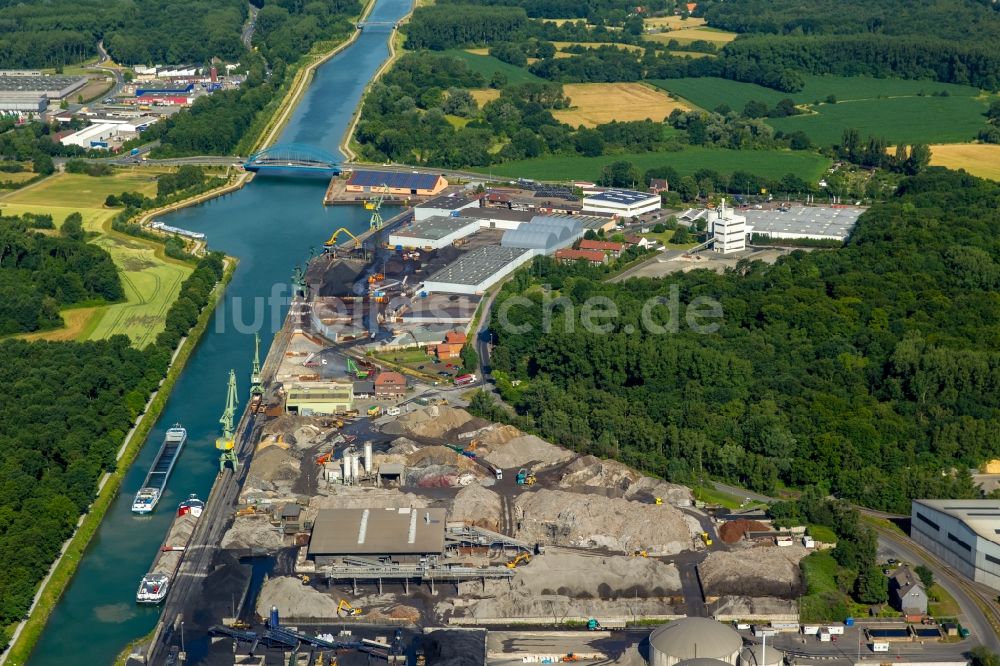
522,558
345,608
640,553
336,234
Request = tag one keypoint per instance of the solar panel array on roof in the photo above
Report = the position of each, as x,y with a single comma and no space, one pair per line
626,197
395,180
556,193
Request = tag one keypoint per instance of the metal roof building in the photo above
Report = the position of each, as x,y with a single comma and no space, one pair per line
476,271
544,233
433,233
819,222
624,203
594,222
445,205
963,533
404,534
399,183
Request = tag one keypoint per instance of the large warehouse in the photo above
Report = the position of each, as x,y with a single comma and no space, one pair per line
404,535
30,92
693,638
311,398
399,183
622,203
963,533
817,222
433,233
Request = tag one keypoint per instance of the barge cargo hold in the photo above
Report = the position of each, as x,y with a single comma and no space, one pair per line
155,584
156,479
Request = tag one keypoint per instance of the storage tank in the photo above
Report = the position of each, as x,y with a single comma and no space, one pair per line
754,655
347,467
368,457
355,467
694,638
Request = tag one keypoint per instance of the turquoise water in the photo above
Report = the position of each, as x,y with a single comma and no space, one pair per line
270,225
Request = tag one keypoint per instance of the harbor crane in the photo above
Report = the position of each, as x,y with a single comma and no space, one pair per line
375,206
256,389
226,444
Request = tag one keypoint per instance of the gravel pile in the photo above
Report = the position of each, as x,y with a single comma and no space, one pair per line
362,497
294,600
272,469
514,605
558,517
527,451
477,506
762,571
595,576
734,530
252,532
433,421
402,446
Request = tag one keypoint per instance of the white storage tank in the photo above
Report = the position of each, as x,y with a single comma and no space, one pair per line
755,655
694,638
368,457
355,467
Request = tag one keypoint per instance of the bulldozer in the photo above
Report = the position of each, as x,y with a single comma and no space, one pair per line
570,658
640,553
522,558
345,608
247,511
304,578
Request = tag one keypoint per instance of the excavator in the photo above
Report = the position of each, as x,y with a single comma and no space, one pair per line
336,234
640,553
522,558
345,608
323,459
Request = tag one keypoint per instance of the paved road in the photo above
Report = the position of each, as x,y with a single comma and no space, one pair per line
247,35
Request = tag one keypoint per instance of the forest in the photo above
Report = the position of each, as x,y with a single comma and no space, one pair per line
80,399
871,369
40,274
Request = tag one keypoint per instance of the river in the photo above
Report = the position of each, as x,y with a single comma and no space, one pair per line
270,225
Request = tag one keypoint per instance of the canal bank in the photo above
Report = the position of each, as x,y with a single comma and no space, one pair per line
270,225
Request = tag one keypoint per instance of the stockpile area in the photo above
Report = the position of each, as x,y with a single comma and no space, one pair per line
434,421
766,570
254,531
733,531
475,505
618,478
563,518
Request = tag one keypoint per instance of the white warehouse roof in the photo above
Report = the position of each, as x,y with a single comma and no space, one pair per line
981,516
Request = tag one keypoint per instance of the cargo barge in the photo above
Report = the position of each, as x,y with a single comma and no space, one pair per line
155,584
156,479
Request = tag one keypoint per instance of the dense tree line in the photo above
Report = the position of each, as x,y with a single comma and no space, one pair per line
449,26
597,12
40,274
288,29
79,399
870,368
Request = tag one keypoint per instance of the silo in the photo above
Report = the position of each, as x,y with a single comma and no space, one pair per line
355,467
692,638
368,457
346,460
756,655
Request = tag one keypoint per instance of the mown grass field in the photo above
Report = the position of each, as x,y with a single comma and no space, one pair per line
17,177
687,35
673,22
823,599
766,163
598,103
151,280
979,159
487,65
710,92
896,119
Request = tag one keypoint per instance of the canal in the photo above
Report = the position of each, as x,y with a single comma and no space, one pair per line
270,225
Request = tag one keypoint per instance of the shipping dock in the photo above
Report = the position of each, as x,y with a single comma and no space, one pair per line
156,479
155,584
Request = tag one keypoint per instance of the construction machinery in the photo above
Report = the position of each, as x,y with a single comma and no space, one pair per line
353,368
374,410
658,501
246,511
522,476
226,444
345,608
256,387
570,658
640,553
707,539
375,223
304,578
593,625
522,558
332,242
324,459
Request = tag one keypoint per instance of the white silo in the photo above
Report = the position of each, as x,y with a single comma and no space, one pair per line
693,638
757,655
355,467
368,457
346,460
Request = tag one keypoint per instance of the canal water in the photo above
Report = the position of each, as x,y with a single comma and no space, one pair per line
270,225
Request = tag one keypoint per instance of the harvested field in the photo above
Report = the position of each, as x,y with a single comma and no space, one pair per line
556,517
979,159
688,35
734,530
527,451
433,421
674,22
483,95
762,571
252,532
562,46
598,103
477,506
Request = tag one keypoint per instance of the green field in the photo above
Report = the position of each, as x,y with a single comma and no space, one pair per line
897,119
710,92
488,65
766,163
823,599
151,281
822,533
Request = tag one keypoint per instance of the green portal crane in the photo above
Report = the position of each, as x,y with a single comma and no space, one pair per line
299,287
255,381
375,206
226,444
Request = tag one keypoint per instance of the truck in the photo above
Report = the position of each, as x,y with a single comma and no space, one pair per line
463,380
392,411
374,410
880,647
134,151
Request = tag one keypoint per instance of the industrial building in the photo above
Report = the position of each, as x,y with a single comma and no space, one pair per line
621,203
30,92
758,655
433,233
963,533
729,230
817,222
405,535
399,183
694,638
446,205
594,222
319,398
569,255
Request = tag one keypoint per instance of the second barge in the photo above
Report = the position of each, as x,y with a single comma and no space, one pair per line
155,584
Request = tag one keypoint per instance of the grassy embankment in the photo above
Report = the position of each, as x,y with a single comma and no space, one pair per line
66,566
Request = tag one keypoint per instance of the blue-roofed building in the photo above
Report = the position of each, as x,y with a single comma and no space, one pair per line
621,203
406,184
